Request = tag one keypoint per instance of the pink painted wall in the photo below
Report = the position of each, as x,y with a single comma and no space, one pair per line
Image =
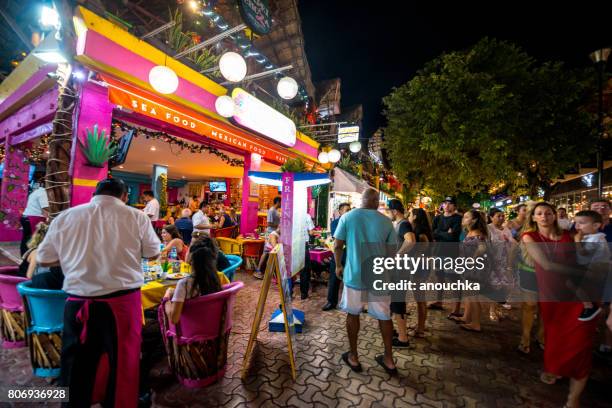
27,86
248,217
14,194
93,109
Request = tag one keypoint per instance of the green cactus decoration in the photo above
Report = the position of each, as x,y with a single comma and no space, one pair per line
98,148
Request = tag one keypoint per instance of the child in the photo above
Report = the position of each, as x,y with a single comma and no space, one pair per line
593,252
273,239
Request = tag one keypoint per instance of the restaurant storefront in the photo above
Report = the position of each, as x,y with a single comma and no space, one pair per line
116,96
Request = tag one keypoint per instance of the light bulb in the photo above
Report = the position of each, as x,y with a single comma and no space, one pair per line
334,155
163,79
225,106
355,146
323,158
232,66
287,88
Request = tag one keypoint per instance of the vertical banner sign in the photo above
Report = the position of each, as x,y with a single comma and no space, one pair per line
273,268
287,227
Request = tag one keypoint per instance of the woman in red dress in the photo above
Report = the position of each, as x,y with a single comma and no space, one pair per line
569,342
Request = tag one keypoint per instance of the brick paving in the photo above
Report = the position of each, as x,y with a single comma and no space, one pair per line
448,368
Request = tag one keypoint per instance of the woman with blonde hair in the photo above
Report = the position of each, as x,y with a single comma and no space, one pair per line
569,341
42,277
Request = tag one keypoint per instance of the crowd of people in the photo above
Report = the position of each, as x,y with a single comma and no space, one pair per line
568,326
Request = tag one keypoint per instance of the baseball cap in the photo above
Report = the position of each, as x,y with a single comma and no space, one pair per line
450,199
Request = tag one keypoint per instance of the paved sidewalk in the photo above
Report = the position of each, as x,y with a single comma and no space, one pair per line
448,368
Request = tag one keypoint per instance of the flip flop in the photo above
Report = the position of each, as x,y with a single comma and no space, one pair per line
380,359
548,378
455,317
435,306
523,349
470,329
417,334
356,368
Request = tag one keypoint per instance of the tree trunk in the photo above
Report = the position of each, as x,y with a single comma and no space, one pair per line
57,180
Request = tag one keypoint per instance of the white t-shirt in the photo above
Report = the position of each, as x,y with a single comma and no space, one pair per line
308,226
200,218
100,246
152,209
564,223
597,249
36,202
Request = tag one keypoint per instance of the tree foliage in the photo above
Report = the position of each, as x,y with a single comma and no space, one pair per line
488,116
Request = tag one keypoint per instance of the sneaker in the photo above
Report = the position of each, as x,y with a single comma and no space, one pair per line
589,313
400,344
258,275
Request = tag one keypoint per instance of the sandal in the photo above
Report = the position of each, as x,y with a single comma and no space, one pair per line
456,317
548,378
435,306
380,359
417,334
525,349
470,328
356,368
540,344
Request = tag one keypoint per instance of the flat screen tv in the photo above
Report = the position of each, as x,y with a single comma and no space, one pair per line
218,187
122,149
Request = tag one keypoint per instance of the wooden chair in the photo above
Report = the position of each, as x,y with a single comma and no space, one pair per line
197,347
230,246
45,321
222,232
11,312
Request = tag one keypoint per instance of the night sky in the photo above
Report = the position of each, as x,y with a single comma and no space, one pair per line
374,46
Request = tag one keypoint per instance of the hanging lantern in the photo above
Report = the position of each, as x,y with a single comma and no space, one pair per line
233,67
334,155
225,106
163,79
287,88
323,158
355,146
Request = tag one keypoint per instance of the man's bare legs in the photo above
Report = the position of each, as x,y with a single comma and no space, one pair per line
352,328
386,329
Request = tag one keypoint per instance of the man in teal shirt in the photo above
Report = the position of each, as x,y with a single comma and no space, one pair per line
366,233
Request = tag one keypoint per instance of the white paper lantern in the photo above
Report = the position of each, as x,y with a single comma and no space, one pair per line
334,155
323,158
287,88
355,146
232,66
163,79
225,106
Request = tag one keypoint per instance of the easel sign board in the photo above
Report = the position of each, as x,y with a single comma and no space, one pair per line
273,268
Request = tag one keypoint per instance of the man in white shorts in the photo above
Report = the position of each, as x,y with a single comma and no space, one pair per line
361,229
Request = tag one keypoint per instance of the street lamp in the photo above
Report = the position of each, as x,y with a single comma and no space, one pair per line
599,58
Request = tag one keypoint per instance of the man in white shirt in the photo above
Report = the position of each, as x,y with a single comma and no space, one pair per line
152,207
305,272
563,221
201,222
36,211
100,246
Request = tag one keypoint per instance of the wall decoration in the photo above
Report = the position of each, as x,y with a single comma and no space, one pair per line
98,147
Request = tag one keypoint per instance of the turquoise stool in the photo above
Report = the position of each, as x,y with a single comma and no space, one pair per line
45,320
235,261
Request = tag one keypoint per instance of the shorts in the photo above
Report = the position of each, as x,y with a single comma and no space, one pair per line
353,299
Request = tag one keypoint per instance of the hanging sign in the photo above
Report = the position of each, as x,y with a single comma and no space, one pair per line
256,14
172,114
348,134
253,114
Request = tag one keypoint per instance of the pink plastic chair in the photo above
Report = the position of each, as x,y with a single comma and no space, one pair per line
9,270
197,345
11,309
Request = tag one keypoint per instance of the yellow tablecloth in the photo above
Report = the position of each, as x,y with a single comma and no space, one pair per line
153,292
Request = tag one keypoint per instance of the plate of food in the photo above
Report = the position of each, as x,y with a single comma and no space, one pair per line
176,276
